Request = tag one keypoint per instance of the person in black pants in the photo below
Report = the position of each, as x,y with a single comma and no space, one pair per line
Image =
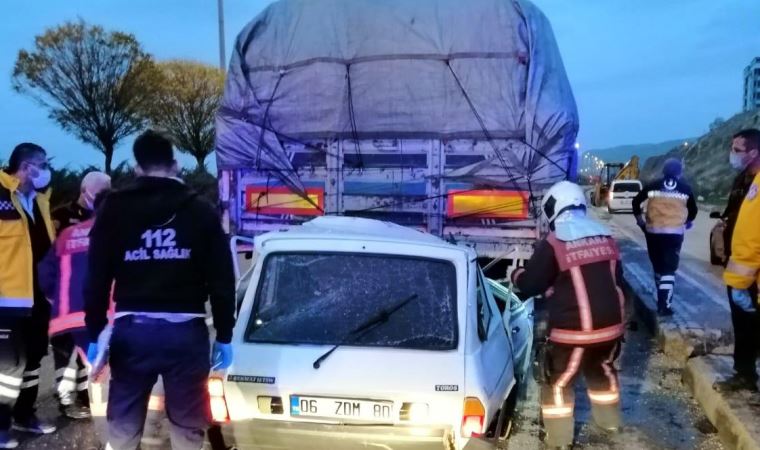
24,311
670,211
165,252
745,151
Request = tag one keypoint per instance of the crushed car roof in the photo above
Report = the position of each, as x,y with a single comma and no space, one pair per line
356,228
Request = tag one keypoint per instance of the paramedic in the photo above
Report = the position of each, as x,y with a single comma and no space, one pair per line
27,232
671,210
166,252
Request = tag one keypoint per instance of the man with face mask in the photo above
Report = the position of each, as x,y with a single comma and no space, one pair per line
82,209
26,233
744,157
71,382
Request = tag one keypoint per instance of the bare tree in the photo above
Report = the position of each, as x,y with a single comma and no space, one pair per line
94,83
185,106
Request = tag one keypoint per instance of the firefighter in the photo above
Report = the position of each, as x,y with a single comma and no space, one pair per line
164,251
578,265
671,210
62,274
82,209
27,232
741,273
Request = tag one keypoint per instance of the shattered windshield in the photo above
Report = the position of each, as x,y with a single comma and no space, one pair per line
319,298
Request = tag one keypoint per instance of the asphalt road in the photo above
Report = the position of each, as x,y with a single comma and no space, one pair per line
658,413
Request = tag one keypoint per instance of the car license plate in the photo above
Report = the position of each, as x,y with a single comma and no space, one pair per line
340,408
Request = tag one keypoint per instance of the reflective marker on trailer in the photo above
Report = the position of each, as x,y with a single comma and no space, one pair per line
487,204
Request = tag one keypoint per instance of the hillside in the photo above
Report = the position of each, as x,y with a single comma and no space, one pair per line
623,153
706,162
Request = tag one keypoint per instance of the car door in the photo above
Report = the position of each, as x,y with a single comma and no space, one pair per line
496,352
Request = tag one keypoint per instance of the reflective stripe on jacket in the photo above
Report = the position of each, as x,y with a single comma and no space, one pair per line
743,269
587,303
16,259
62,276
670,204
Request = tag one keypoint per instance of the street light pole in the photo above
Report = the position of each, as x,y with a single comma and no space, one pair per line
222,57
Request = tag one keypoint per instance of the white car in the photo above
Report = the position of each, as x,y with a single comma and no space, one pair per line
355,333
621,194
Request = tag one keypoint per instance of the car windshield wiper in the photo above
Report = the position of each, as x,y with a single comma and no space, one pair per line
358,332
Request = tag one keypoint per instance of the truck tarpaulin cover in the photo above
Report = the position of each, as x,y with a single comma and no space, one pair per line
429,69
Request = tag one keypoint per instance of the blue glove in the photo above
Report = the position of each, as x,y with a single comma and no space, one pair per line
92,352
221,356
689,225
742,299
641,223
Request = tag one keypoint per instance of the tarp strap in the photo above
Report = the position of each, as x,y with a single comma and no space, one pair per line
481,122
264,119
352,118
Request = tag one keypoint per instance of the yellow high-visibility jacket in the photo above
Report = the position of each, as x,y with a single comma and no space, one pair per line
16,260
743,268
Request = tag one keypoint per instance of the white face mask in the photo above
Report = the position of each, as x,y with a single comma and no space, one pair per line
89,201
739,161
42,179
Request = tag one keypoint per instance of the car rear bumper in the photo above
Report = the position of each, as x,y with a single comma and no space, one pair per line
278,435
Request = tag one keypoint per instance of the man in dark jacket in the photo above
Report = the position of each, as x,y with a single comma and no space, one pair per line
744,156
165,253
671,210
579,264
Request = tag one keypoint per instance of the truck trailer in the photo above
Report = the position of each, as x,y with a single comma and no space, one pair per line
445,116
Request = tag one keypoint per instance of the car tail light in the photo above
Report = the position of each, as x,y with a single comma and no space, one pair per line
269,405
219,411
473,417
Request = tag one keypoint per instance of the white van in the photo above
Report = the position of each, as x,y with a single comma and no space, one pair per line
621,194
357,333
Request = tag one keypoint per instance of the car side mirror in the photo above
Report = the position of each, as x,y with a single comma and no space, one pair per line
715,215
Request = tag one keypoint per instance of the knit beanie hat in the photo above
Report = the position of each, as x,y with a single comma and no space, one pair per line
673,168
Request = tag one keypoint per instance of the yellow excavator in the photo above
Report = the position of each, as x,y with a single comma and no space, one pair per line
613,172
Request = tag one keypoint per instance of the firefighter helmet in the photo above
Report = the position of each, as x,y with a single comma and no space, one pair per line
561,197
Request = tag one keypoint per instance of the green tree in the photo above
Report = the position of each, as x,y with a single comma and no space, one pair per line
185,106
94,83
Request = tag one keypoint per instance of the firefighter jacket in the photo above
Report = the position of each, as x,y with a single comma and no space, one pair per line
584,276
743,267
61,276
16,256
670,205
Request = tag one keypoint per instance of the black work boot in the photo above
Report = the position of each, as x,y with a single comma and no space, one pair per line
735,383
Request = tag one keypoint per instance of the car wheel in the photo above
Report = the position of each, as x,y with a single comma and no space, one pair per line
507,416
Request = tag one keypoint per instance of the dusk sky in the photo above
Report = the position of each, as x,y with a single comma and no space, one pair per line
642,71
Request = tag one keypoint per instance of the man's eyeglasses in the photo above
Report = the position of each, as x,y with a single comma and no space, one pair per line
40,165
